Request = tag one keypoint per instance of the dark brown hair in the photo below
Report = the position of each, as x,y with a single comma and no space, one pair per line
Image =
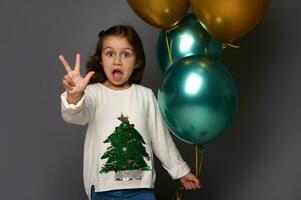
94,62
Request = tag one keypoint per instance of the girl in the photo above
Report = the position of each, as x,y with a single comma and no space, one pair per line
124,123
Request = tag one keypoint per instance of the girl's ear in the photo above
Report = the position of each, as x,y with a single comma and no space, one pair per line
136,66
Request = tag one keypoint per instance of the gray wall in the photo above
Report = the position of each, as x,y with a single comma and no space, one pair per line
41,156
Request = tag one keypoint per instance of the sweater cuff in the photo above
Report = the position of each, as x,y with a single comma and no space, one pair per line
72,108
179,171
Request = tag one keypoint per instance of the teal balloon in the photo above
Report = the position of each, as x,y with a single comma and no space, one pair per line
188,39
197,99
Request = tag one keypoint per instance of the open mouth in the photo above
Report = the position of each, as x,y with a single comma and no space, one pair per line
117,74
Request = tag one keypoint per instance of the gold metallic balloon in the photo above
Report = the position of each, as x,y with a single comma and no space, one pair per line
160,13
228,20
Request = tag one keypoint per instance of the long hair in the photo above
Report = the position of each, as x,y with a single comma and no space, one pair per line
94,62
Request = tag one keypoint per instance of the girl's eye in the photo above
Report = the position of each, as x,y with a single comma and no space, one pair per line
126,54
109,53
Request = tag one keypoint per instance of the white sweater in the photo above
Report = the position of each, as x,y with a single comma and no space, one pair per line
123,167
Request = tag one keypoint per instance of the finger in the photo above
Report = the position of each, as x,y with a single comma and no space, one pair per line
69,80
190,186
67,85
194,186
77,63
198,183
88,76
193,179
71,83
65,63
187,186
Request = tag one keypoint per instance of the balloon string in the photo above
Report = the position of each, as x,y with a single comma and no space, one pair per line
199,158
179,192
168,48
230,44
196,160
201,161
172,28
179,195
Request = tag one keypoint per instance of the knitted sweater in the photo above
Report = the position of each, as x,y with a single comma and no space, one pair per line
124,129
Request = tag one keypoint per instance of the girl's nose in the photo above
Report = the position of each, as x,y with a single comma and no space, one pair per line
117,60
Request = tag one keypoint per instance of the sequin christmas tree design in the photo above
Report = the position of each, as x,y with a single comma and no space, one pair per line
126,153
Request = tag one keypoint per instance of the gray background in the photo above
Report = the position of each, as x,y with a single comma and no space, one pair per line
41,156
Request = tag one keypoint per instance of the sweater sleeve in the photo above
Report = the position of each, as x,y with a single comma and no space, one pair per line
81,112
162,143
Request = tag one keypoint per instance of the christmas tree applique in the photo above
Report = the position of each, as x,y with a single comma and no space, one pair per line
126,153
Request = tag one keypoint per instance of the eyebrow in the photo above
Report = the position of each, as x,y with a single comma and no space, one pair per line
121,48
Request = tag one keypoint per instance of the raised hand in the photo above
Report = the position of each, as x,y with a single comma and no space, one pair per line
73,82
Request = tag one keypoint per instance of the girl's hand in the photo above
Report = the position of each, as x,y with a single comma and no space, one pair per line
73,82
190,182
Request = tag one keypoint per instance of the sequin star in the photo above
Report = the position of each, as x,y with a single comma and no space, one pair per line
124,119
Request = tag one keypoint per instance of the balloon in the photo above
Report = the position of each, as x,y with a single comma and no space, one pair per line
229,20
189,38
197,99
162,14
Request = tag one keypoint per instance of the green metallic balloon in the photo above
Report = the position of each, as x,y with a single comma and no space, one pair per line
188,39
197,99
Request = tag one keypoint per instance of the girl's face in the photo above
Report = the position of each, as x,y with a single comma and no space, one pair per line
118,61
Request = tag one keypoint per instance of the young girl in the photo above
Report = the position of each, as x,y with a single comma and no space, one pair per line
124,123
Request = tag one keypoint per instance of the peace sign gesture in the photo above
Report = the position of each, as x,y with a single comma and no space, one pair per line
73,82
